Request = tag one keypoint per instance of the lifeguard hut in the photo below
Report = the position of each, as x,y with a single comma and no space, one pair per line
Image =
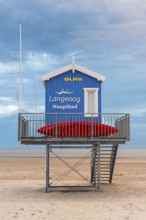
73,118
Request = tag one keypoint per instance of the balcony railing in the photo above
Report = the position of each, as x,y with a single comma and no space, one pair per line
29,123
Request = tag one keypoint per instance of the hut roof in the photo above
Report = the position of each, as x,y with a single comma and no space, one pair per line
73,67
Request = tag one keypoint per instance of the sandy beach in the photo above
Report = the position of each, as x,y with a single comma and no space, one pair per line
22,192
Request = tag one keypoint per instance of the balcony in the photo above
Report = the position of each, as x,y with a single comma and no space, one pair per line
73,128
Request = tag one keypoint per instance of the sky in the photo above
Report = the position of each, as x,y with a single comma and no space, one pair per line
108,37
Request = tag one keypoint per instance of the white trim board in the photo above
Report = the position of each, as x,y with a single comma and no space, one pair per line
73,67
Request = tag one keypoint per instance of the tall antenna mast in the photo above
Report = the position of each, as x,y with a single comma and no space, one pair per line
20,71
73,64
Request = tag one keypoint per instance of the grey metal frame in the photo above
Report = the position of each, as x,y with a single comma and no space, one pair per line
104,148
47,169
102,167
51,187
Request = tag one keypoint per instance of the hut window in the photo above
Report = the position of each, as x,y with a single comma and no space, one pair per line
90,101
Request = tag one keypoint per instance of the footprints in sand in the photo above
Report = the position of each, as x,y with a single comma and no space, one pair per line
16,215
23,214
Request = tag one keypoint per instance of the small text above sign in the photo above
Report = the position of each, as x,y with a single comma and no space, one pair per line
73,79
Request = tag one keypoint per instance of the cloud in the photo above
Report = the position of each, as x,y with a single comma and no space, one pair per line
6,68
133,110
8,110
43,61
61,27
3,81
33,109
138,127
6,99
8,106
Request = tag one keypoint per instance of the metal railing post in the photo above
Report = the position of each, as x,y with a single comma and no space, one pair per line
56,129
92,126
19,127
98,167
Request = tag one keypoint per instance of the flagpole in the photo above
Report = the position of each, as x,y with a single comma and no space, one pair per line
20,71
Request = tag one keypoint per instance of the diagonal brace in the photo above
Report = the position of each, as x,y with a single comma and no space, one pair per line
72,168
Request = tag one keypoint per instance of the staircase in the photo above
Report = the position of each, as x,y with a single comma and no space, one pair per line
102,164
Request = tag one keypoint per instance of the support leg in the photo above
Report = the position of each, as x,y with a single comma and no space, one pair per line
94,165
99,168
47,169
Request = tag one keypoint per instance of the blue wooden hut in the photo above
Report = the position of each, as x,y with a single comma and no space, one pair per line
73,89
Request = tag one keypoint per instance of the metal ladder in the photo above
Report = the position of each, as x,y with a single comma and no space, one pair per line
102,164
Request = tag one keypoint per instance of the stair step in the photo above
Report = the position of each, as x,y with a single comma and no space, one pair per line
103,174
102,152
103,182
105,147
103,178
104,171
103,166
106,163
101,161
105,156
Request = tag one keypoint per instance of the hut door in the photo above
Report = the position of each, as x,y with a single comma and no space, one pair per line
90,101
